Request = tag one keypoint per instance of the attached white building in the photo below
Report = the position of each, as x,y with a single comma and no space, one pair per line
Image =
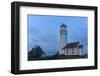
74,48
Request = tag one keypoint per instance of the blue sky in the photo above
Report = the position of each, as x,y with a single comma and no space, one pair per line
44,31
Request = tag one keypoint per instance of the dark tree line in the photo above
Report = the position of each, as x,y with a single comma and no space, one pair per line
35,52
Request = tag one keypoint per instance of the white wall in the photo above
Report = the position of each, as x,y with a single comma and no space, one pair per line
5,41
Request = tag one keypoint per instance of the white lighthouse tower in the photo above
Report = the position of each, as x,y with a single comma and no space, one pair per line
63,38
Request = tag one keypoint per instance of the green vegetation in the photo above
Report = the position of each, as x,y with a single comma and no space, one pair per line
35,53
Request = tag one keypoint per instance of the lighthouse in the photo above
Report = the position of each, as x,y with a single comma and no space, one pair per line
63,38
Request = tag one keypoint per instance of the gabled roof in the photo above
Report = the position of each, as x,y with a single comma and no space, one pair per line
71,45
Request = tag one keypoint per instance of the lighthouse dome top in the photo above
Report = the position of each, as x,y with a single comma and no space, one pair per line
63,25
